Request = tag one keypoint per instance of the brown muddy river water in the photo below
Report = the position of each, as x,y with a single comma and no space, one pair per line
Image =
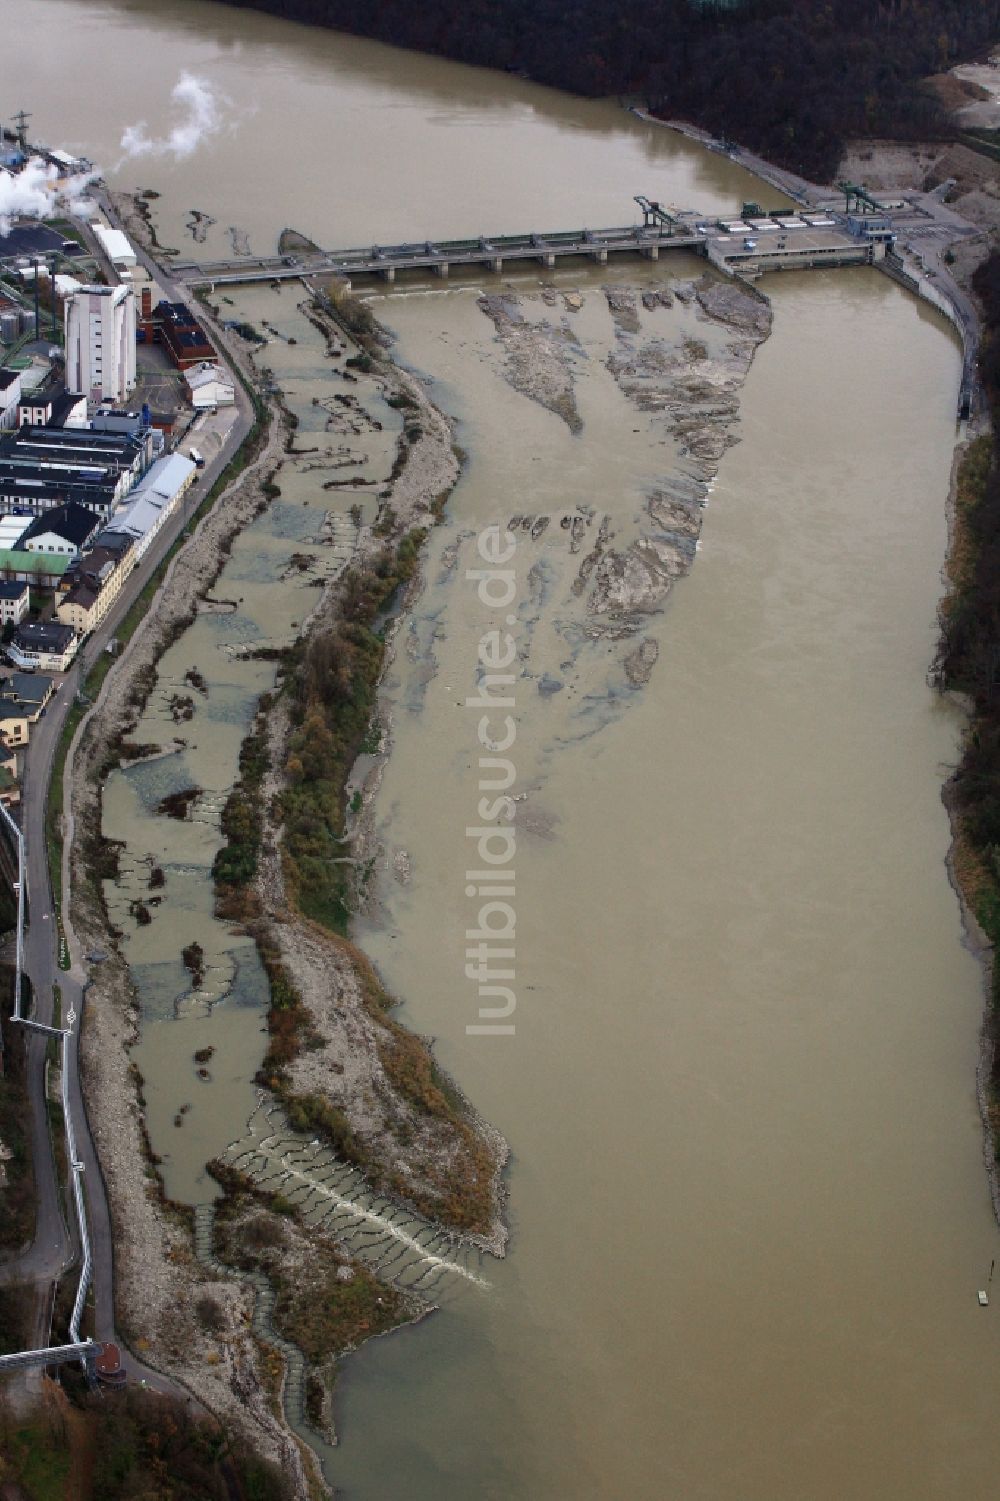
747,1200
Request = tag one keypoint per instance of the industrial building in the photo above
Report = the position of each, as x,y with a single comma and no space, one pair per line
173,325
43,467
152,502
51,405
100,342
145,422
35,491
209,386
10,396
116,246
80,451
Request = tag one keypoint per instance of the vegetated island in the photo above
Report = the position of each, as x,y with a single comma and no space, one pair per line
791,79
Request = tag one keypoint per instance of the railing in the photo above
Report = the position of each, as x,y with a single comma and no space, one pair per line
77,1347
895,267
19,960
76,1168
421,254
53,1355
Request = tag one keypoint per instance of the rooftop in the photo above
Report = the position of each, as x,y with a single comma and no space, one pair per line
165,477
206,374
94,563
12,529
41,563
47,635
39,484
81,594
116,540
73,522
31,442
31,688
117,246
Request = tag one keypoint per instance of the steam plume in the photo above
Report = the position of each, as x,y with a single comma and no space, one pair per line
200,113
40,193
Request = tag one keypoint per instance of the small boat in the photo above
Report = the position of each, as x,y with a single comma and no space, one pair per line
984,1292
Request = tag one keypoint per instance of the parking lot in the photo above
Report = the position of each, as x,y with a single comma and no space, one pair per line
158,384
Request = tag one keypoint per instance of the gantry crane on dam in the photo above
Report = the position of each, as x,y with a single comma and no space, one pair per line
857,199
655,216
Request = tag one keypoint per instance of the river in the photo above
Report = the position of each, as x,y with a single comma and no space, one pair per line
748,1207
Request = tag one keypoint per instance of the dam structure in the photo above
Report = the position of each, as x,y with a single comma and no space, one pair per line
739,246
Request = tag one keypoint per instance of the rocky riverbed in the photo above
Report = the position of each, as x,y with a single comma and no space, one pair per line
689,387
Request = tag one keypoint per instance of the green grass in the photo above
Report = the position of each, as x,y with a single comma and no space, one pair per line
52,1047
326,1315
18,1218
54,802
43,1470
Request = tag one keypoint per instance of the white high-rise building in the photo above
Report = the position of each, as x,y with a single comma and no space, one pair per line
100,342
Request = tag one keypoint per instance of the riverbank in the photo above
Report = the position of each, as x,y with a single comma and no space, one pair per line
966,666
422,1156
171,1310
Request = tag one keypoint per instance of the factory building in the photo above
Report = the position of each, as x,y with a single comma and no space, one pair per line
42,467
210,386
173,325
10,396
51,405
100,342
116,246
152,502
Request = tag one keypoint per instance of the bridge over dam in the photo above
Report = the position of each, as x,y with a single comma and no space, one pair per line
439,256
737,247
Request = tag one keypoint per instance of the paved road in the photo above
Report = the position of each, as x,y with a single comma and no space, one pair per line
55,1245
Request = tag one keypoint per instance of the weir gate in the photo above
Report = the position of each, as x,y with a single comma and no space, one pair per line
741,246
440,256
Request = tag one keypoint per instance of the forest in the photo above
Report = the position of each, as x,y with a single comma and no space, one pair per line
124,1446
791,79
969,658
